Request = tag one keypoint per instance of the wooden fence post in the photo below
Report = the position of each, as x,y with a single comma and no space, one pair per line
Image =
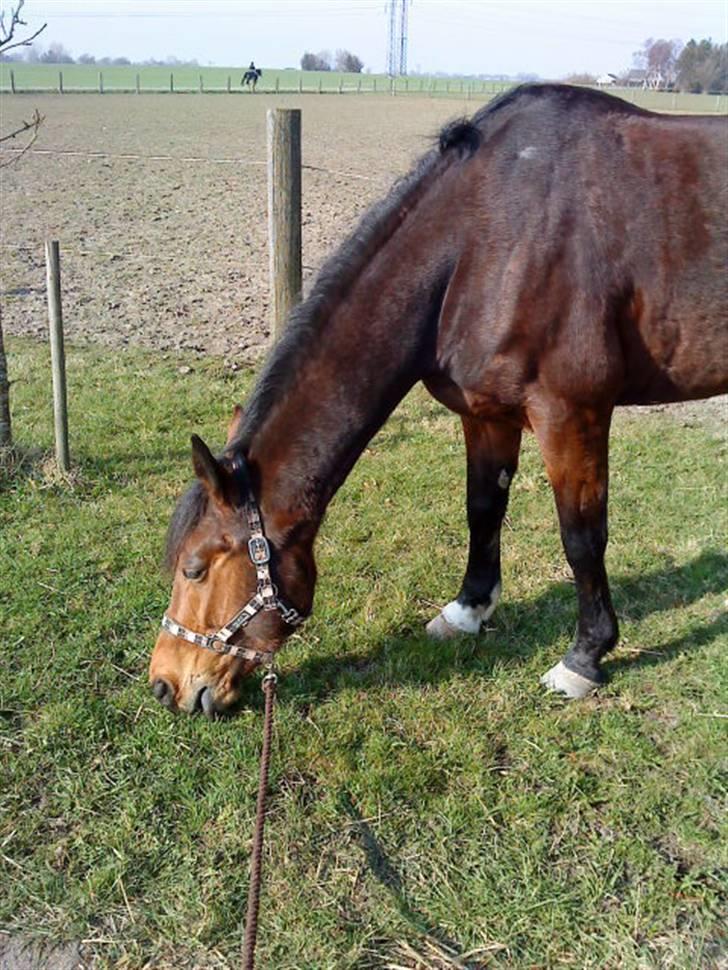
277,80
171,83
60,82
300,83
284,212
12,81
101,83
58,359
202,87
138,84
228,84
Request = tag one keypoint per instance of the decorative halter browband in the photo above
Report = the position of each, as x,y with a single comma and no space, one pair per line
266,599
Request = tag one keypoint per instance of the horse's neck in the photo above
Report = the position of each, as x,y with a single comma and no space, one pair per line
376,342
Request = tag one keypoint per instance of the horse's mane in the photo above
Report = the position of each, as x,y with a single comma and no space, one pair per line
187,513
307,321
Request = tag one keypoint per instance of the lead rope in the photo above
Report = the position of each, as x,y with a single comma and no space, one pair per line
269,684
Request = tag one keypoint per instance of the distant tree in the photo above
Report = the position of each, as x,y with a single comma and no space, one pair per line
120,62
658,58
87,59
11,24
581,77
703,66
346,61
316,62
57,54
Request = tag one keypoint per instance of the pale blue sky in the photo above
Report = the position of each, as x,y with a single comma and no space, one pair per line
548,37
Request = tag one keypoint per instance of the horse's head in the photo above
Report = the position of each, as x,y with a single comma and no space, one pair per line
241,584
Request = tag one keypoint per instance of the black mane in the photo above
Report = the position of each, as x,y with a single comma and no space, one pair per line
190,508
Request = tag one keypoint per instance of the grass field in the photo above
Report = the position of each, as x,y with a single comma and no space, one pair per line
429,802
79,77
44,77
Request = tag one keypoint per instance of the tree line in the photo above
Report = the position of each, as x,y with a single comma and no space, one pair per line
698,66
56,53
343,61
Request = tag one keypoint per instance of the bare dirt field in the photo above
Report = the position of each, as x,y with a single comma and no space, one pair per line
171,252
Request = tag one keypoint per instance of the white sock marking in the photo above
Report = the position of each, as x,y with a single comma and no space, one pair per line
469,619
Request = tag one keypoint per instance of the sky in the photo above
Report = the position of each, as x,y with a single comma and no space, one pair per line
550,38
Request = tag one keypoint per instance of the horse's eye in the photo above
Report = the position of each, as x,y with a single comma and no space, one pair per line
193,573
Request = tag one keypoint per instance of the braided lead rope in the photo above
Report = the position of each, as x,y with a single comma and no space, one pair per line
269,684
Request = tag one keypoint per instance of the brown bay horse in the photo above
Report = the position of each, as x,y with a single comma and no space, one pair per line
558,255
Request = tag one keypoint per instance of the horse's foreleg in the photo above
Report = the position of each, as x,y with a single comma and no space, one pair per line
492,455
575,450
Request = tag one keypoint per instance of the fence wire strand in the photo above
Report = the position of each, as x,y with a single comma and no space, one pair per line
199,159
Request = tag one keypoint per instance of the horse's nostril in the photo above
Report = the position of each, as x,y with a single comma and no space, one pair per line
161,690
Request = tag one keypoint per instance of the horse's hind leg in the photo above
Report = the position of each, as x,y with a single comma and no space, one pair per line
575,449
492,453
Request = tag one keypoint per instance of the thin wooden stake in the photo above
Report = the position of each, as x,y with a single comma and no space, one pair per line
284,212
58,359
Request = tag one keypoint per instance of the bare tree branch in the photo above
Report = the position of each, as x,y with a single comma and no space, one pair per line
34,126
38,119
7,33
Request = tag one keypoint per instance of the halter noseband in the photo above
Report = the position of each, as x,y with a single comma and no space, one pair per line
265,599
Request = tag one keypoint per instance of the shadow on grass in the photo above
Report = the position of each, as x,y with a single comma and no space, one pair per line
386,874
523,629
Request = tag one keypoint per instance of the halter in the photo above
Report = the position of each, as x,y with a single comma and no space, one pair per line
265,599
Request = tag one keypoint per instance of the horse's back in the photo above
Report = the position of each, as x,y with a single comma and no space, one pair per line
602,245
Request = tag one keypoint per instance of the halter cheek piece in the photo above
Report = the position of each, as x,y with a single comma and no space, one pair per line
266,599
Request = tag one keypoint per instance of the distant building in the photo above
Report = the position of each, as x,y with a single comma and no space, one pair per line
635,78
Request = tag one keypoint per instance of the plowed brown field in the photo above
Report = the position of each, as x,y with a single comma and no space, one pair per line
170,252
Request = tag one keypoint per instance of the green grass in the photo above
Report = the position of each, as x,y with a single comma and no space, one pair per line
426,799
80,77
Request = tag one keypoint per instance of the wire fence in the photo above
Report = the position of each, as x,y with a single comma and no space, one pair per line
187,159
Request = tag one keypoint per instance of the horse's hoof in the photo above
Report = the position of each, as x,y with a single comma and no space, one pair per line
440,629
564,681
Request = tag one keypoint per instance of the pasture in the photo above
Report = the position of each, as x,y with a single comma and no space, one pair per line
431,806
80,77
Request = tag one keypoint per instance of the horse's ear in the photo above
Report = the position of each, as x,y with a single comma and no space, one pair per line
208,469
235,424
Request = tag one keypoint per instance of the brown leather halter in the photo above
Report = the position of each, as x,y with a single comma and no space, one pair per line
265,599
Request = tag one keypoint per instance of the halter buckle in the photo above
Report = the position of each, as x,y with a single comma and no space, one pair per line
259,550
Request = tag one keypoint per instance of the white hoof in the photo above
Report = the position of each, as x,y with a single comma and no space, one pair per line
565,681
440,629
